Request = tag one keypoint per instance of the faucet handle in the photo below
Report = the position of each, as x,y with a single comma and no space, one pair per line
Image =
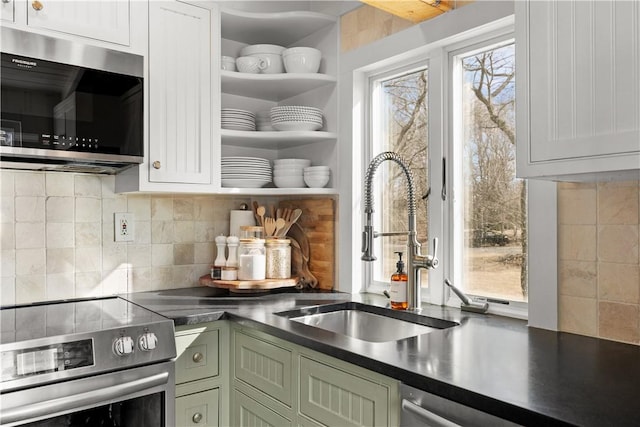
432,260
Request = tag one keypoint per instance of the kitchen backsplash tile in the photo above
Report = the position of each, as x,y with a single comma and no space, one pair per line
58,237
600,296
578,315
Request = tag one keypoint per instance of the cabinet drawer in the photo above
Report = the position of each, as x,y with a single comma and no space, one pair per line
336,398
249,413
264,366
199,409
197,356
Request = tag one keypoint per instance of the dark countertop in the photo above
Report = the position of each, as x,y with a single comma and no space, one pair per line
495,364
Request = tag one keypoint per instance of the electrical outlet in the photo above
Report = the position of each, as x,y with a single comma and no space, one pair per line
123,227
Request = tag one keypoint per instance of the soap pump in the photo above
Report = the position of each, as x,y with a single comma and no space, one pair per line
398,289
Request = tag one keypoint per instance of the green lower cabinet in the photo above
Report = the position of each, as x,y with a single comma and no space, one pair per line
280,383
199,409
247,412
337,398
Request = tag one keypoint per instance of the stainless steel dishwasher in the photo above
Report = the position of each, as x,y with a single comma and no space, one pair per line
420,408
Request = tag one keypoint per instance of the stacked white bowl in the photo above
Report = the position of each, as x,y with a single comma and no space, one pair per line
316,176
296,118
288,173
301,60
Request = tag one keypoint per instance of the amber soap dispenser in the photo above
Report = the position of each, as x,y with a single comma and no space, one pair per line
398,291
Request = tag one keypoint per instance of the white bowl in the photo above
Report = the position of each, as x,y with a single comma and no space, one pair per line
228,63
302,60
304,162
286,174
262,49
316,182
289,181
250,64
317,169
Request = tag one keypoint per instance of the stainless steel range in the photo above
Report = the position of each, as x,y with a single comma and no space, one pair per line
100,362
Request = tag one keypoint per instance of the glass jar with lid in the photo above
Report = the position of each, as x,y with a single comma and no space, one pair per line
278,259
251,232
251,259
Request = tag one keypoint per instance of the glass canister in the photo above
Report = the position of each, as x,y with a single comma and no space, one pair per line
251,259
278,258
251,232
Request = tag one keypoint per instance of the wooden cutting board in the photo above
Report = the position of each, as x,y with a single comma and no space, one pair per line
319,224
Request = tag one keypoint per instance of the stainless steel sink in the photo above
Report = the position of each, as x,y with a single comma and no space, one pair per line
366,322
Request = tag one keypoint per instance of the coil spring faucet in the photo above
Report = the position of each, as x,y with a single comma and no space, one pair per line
415,260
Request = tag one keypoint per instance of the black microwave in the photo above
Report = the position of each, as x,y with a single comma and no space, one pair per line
69,106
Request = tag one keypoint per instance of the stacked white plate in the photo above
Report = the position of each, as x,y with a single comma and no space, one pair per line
288,173
235,119
263,121
295,118
316,176
245,172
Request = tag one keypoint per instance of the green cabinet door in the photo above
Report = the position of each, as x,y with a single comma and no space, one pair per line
247,412
337,398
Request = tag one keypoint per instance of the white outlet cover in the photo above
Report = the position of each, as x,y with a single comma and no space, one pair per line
124,229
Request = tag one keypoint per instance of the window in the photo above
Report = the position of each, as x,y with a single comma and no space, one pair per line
399,124
482,210
490,225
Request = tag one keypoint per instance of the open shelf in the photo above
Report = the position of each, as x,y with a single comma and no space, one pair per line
273,87
281,28
278,191
274,139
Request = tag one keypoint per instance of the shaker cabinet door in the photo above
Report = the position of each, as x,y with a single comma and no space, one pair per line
179,93
578,85
105,20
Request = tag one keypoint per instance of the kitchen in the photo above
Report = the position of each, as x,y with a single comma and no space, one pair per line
57,228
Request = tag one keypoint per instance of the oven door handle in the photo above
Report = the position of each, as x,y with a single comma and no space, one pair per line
427,418
85,399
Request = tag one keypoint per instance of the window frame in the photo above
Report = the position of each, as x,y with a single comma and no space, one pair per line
354,65
373,131
454,148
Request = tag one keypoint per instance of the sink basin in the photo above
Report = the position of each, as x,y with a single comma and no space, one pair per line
367,322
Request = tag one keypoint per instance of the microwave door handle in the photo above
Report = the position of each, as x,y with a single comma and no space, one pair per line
82,400
427,417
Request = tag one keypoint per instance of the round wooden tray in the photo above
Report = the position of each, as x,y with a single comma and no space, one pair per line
248,286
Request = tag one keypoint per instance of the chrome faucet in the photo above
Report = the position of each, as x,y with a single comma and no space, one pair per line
415,261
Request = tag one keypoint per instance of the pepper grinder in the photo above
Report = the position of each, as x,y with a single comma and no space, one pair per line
230,272
221,261
232,243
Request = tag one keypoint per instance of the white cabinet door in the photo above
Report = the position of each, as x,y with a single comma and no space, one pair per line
579,86
7,11
179,93
106,20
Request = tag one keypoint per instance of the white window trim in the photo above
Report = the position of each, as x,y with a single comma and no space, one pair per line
354,66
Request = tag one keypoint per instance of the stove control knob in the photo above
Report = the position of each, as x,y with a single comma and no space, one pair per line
147,341
123,346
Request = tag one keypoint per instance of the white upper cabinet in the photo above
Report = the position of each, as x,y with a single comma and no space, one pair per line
105,20
578,82
180,93
115,24
7,11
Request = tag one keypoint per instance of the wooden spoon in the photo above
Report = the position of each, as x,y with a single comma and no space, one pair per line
280,224
261,210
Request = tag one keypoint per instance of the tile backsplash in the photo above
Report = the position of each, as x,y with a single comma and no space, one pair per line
599,259
57,237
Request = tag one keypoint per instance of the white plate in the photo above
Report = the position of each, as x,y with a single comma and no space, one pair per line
296,126
244,183
236,110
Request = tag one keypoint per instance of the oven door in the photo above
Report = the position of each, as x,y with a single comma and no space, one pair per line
138,397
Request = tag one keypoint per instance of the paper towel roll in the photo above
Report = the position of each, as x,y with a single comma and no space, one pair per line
239,219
